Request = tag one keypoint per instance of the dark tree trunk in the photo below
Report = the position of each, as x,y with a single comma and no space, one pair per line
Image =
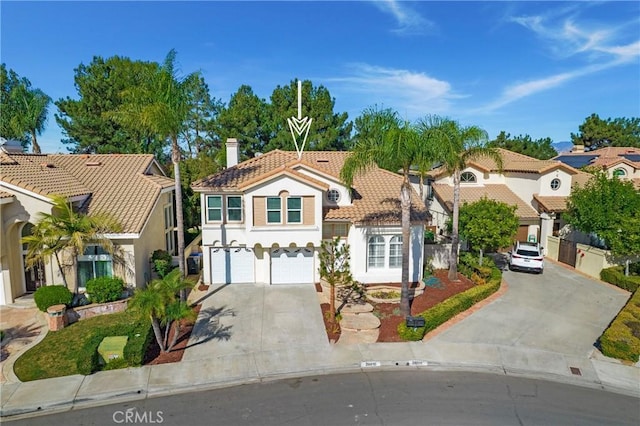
405,204
455,237
179,211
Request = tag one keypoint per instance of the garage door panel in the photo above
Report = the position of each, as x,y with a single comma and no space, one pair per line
232,265
292,266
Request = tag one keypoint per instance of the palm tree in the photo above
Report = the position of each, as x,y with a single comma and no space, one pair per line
162,107
33,105
455,146
383,139
160,302
67,232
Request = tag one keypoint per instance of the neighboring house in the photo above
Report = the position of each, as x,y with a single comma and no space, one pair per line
132,188
623,162
263,220
539,189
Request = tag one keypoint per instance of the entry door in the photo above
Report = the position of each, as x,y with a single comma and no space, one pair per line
230,265
292,266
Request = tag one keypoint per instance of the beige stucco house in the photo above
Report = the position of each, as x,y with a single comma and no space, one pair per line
539,189
131,187
622,162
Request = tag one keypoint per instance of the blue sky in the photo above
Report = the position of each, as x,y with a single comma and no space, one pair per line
536,68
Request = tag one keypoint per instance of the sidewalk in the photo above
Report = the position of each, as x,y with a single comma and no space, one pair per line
216,369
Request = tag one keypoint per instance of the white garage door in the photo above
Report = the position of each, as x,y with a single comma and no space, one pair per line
292,266
232,265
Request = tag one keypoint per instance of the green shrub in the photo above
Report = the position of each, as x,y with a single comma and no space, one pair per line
105,289
88,359
116,364
162,262
443,311
615,275
50,295
622,339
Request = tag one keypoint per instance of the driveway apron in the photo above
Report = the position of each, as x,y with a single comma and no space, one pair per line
240,319
560,311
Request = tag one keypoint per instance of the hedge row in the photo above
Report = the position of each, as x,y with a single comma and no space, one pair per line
622,339
140,334
490,278
615,275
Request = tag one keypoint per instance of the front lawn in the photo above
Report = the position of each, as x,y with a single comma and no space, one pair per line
73,350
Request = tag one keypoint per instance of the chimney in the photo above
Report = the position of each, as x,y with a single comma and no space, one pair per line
578,149
233,153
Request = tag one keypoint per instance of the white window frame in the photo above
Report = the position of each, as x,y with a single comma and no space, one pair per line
557,181
268,210
333,191
619,172
230,197
290,210
208,209
93,258
467,180
374,262
395,259
169,229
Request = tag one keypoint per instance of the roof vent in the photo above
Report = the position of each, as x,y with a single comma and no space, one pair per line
93,163
322,160
47,165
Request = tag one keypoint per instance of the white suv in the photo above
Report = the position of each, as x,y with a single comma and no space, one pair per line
526,257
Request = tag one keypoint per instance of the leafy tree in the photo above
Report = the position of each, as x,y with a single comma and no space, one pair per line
246,118
160,301
383,139
161,107
24,109
193,169
328,132
539,148
454,146
335,268
200,131
65,231
597,133
87,121
610,209
488,224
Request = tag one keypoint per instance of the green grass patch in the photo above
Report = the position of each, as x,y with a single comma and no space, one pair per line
73,350
622,339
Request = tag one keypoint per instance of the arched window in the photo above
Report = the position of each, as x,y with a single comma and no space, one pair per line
395,252
467,177
619,173
375,252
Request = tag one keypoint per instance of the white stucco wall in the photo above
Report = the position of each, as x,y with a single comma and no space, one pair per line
358,238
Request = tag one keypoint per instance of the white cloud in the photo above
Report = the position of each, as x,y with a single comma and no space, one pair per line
599,47
412,94
409,21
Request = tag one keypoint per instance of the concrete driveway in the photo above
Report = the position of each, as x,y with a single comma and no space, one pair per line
242,319
560,311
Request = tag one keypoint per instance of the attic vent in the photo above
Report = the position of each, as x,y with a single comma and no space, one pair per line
47,165
322,160
93,163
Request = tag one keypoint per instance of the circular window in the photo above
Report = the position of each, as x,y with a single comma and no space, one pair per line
619,172
555,184
333,195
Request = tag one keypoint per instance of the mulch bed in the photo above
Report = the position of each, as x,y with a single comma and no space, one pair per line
155,356
389,313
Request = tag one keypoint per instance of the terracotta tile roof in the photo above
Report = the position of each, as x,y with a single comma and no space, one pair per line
37,173
636,183
497,192
376,192
512,162
580,179
282,170
5,194
614,151
607,162
551,204
116,183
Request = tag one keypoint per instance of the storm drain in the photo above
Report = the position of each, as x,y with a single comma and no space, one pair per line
575,371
